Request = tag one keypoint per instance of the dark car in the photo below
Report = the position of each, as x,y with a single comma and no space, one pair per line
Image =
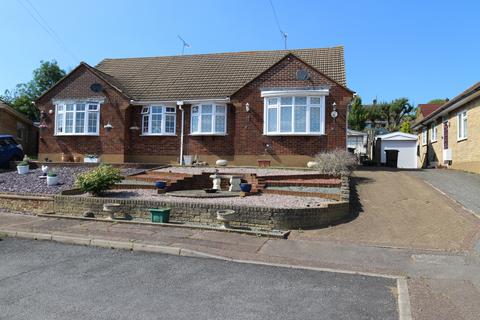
10,150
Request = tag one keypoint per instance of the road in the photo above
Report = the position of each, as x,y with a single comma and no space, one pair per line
47,280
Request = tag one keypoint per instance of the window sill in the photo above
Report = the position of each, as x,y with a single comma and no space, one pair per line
76,135
295,134
158,135
461,139
433,141
207,134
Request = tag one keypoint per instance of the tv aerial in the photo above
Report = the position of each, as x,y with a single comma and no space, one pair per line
185,44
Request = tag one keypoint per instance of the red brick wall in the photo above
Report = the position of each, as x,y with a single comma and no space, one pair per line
77,86
250,139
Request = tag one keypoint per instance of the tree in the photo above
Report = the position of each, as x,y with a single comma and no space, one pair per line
357,115
406,127
398,110
438,101
24,94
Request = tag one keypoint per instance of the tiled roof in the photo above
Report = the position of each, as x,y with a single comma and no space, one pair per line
428,108
209,75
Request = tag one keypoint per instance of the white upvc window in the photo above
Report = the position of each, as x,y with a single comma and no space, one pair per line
424,135
294,115
208,119
158,121
462,125
433,131
77,118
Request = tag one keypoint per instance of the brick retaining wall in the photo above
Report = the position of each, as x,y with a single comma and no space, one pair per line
26,203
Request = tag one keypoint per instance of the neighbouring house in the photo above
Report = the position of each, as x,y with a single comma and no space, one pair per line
396,149
283,106
357,142
20,127
449,135
425,109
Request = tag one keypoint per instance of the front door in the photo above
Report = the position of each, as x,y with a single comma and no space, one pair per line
445,134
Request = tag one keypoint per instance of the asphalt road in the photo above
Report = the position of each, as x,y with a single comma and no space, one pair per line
47,280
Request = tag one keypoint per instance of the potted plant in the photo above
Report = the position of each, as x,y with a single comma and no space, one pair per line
52,179
245,187
160,184
23,167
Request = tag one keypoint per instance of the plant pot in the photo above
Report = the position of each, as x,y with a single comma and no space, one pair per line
245,187
161,184
312,164
187,160
77,159
65,157
112,208
23,169
52,181
160,215
221,162
90,160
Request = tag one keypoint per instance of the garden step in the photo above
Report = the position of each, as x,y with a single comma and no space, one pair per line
326,183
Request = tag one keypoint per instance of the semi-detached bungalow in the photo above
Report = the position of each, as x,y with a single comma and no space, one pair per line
449,135
284,106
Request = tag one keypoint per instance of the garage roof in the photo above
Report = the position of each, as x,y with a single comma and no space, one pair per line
397,136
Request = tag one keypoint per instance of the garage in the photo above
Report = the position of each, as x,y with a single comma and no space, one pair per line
396,149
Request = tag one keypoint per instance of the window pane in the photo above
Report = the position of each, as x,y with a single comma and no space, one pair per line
60,123
170,109
272,120
194,124
80,107
206,108
69,122
315,100
80,122
300,101
60,108
220,109
465,126
69,107
300,118
220,124
92,122
206,123
156,109
286,119
170,124
272,101
286,101
195,109
93,107
156,123
315,119
145,123
145,110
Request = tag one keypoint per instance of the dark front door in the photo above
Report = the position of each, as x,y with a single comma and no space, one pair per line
445,135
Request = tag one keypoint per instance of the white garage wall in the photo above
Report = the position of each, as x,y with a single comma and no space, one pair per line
407,155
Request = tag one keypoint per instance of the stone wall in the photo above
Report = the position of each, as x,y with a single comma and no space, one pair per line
26,203
269,218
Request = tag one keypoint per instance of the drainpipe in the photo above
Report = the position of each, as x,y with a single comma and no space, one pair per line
180,106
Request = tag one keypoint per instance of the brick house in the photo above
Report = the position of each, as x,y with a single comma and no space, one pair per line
20,127
449,135
243,106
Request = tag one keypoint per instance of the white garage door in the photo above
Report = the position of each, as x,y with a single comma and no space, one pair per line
407,152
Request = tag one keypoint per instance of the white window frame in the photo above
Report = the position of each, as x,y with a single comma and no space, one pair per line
462,125
433,132
63,106
424,136
278,107
147,112
214,115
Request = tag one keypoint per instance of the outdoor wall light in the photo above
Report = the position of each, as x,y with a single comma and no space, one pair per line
247,107
108,126
50,111
334,112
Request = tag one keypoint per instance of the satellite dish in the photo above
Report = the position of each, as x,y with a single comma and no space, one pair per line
96,87
302,74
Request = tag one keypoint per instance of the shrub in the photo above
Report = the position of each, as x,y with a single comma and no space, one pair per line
51,174
337,162
98,180
23,163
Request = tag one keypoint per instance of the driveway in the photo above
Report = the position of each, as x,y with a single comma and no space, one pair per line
398,209
46,280
462,186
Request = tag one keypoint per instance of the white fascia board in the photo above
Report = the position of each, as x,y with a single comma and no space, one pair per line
68,101
295,92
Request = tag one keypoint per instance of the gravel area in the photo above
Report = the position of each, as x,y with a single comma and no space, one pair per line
306,189
30,183
261,200
259,171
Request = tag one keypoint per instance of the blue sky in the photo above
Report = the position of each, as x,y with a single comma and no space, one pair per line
417,49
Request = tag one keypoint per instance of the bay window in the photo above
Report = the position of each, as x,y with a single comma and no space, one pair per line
77,118
158,120
294,115
208,119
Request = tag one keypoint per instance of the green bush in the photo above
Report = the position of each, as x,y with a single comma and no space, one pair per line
23,163
98,180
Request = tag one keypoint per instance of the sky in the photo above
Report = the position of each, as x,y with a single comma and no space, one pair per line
419,49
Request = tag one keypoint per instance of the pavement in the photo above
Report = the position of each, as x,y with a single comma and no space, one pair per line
47,280
461,186
431,243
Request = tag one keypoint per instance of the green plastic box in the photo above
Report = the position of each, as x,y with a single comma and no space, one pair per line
160,215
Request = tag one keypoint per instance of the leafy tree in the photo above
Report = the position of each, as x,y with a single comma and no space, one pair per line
438,101
22,97
357,115
398,110
406,127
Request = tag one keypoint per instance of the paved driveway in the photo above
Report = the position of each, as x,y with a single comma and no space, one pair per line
462,186
396,208
46,280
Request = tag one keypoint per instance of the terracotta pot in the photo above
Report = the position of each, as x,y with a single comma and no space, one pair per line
66,157
77,158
